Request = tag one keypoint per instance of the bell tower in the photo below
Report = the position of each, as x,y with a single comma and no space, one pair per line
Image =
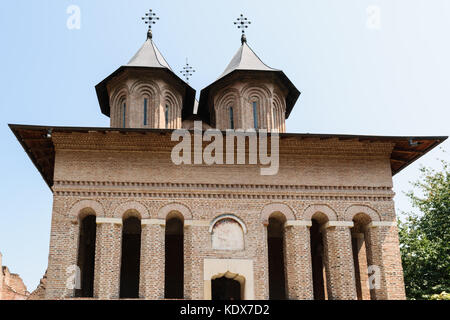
146,93
249,94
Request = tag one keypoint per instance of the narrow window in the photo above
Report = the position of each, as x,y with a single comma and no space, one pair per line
174,258
124,115
231,118
86,256
131,256
255,114
145,111
317,261
167,116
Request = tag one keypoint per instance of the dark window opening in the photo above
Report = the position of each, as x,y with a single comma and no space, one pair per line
231,118
124,115
225,289
355,250
174,255
255,115
86,256
131,256
317,261
145,111
166,115
275,242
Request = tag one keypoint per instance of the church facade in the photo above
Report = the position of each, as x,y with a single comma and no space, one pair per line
129,223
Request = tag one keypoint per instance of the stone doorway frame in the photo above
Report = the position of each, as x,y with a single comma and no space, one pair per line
238,269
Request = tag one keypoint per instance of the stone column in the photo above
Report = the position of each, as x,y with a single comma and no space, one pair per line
339,266
298,263
385,268
151,282
360,261
108,249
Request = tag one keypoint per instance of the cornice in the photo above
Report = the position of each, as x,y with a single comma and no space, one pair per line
220,191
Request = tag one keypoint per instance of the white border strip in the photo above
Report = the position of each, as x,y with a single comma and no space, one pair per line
100,220
197,223
160,222
291,223
330,224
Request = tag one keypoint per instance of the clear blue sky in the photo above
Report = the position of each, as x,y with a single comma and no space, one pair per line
393,80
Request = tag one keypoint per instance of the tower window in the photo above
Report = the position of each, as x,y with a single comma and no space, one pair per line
231,118
145,111
124,114
167,116
255,114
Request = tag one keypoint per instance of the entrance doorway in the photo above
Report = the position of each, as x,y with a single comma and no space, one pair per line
225,289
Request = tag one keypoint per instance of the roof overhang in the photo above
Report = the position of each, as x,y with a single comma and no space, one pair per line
103,96
204,109
40,149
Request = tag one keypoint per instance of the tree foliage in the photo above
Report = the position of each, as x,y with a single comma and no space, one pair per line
425,237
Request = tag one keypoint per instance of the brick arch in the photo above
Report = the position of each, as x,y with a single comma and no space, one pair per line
77,208
124,208
228,216
256,88
181,208
276,207
322,208
145,85
353,210
227,98
119,95
263,95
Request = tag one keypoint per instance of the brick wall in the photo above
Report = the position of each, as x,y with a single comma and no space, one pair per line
114,173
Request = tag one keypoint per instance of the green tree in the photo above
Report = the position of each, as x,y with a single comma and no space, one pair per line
425,237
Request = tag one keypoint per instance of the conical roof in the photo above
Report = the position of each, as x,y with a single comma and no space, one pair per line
147,57
247,61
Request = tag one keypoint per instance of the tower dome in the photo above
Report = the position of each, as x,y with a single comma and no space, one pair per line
145,93
249,94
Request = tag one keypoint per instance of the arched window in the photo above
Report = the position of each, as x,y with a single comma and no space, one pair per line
275,244
86,256
362,256
174,257
318,257
124,114
231,117
145,111
166,116
255,114
131,256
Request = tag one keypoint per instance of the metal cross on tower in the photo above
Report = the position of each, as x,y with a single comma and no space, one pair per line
150,18
187,71
242,23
